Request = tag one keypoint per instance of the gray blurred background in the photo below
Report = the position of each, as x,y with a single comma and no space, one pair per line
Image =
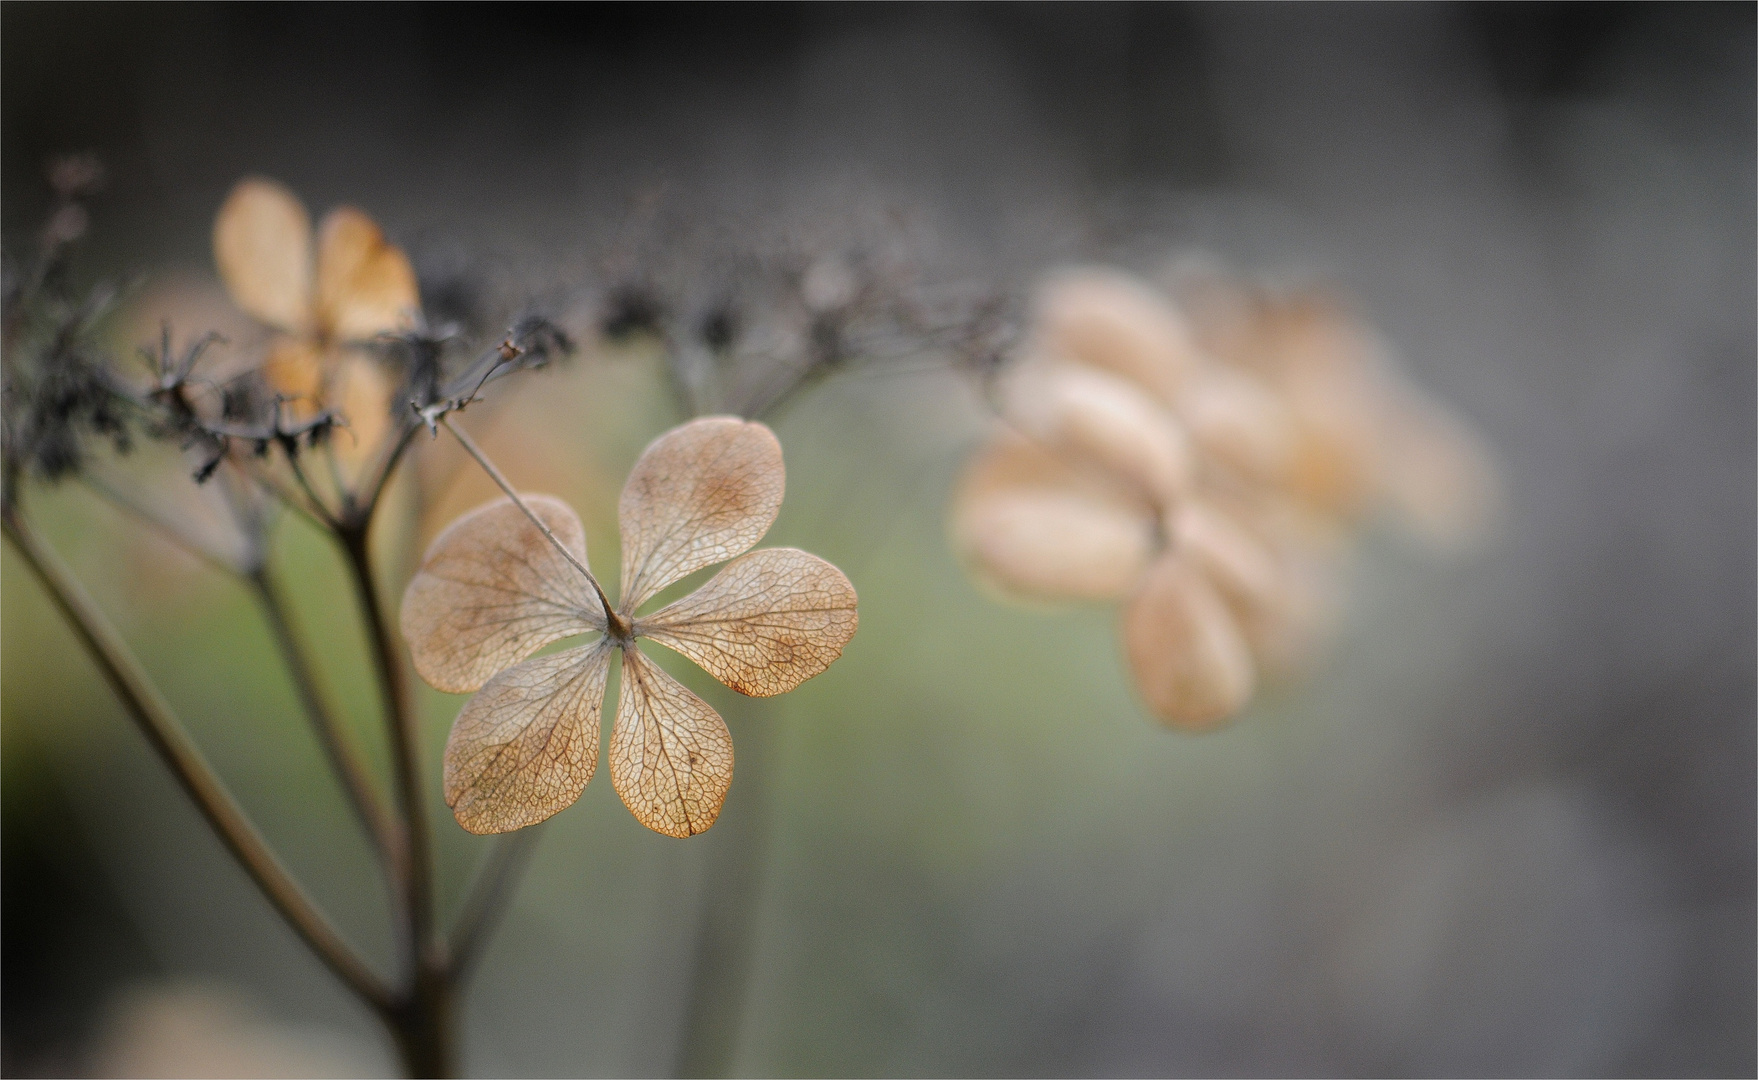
1507,829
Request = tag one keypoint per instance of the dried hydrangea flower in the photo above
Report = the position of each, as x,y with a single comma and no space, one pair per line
493,589
350,286
1126,444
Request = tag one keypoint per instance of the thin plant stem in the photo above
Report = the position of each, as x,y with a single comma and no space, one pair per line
618,626
350,771
486,901
423,1020
153,715
402,722
725,946
161,524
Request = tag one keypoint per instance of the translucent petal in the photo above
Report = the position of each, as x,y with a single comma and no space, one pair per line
524,747
365,286
1438,474
1237,421
1189,659
671,755
360,392
1038,527
295,369
262,247
1116,322
766,623
702,493
1236,561
1103,419
492,590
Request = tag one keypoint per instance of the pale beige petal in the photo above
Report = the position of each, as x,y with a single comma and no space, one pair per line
262,247
770,620
1038,527
492,590
1102,418
524,747
1116,322
1239,564
365,285
702,493
295,370
1438,474
671,756
360,392
1238,423
1189,659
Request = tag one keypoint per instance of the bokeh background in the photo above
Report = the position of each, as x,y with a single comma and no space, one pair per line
1507,828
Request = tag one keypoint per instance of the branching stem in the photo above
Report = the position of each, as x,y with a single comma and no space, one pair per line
166,735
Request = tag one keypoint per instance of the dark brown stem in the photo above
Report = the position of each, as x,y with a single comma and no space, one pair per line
403,725
351,773
423,1018
153,716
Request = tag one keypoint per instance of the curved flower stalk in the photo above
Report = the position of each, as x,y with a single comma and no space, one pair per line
1137,466
324,298
512,576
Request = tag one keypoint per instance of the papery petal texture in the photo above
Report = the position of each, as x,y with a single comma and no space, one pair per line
1040,528
1103,419
767,622
671,756
524,747
262,246
701,494
1115,322
1188,656
492,590
365,286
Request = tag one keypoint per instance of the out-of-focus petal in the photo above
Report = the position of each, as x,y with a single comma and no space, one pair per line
262,247
365,285
1116,322
1238,423
1103,418
1040,528
1189,659
770,620
1438,475
700,494
671,756
295,369
492,590
1238,563
360,392
524,747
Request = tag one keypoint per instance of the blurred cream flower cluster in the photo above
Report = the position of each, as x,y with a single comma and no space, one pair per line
1202,452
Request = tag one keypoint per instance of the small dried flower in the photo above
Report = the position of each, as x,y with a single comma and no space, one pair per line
349,287
1126,442
492,589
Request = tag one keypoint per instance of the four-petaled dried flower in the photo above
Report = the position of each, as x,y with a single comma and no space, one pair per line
492,589
351,287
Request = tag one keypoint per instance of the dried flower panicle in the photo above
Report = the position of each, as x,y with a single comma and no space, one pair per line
1204,472
493,589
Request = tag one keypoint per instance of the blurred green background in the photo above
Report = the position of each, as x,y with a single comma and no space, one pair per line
1507,828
